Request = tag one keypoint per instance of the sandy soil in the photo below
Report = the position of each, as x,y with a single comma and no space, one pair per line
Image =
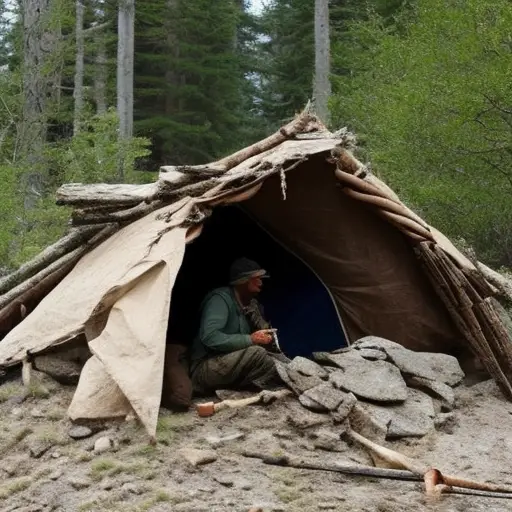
133,476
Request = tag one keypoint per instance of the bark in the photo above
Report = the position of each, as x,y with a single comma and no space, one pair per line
106,195
125,60
35,93
100,61
70,258
322,84
499,281
78,93
52,253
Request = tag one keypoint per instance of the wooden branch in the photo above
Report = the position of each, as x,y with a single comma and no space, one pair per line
64,261
103,194
107,215
52,253
499,281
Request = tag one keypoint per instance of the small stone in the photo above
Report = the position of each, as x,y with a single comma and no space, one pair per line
308,367
311,404
372,380
302,419
245,485
80,432
224,480
198,457
10,470
36,413
209,490
344,409
326,395
107,484
38,448
446,422
55,475
284,434
56,455
327,506
17,412
79,483
103,444
132,488
326,440
439,389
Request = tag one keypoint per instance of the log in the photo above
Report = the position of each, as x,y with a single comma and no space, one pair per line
303,123
103,216
52,253
68,259
499,281
103,194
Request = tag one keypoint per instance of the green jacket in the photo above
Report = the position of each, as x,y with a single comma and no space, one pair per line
223,326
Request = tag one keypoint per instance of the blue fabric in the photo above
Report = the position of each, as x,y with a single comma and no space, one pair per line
295,301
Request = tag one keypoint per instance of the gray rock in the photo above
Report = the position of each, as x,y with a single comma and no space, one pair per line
344,409
283,374
311,404
326,395
56,474
446,422
103,444
107,484
224,480
372,354
308,367
79,483
324,439
373,380
369,426
198,457
412,418
303,382
303,419
375,343
39,447
437,388
63,371
80,432
245,485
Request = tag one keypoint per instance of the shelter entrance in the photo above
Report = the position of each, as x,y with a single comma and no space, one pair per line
296,302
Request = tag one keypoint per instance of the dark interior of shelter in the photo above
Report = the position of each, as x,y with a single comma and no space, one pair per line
295,301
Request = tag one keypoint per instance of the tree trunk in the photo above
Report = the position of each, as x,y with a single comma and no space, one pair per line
322,84
125,61
78,93
100,63
35,92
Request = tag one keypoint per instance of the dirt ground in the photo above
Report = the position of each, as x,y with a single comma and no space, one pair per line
43,469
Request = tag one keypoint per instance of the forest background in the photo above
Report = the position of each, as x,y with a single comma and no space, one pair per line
108,91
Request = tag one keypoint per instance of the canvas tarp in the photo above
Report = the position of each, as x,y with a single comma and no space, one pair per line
124,285
366,263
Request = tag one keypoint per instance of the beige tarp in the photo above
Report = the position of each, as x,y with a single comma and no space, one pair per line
127,286
366,263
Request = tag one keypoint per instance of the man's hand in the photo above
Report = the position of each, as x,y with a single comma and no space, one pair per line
263,337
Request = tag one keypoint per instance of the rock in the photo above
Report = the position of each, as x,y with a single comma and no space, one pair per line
103,444
446,422
39,447
326,440
303,382
245,485
375,343
344,409
217,440
327,506
15,400
63,371
412,418
437,388
36,413
55,475
17,412
304,419
80,432
311,404
132,488
79,483
372,354
198,457
326,395
373,380
283,374
308,367
56,455
10,470
107,484
364,423
224,480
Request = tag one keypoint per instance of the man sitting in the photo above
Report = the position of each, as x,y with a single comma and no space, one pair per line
228,352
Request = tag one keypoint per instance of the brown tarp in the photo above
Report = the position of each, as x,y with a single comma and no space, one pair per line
367,264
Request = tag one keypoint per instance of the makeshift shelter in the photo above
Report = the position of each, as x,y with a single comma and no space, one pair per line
386,271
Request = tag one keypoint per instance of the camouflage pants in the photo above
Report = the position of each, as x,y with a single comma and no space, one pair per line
248,367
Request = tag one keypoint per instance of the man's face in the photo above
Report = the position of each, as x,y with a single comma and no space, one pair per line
254,285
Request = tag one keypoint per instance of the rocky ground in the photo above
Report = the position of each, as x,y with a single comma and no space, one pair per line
43,468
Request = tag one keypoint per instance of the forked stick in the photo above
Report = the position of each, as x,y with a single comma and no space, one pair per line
435,481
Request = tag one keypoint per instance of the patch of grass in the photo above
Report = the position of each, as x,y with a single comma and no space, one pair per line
169,424
19,485
50,435
84,457
145,450
15,439
10,390
288,494
38,390
108,467
55,415
160,496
